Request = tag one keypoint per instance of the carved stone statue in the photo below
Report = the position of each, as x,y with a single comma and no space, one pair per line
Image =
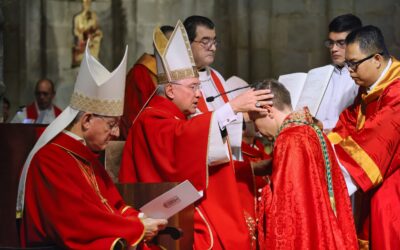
85,27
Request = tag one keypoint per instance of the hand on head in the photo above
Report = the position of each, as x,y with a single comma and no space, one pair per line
252,100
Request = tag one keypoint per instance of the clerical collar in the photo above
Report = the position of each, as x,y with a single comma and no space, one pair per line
205,74
75,136
370,88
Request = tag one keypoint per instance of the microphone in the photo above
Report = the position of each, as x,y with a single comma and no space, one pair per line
212,98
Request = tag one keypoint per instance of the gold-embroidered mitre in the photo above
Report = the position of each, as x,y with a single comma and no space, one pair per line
174,56
97,90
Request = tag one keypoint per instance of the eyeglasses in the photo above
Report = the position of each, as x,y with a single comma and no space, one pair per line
330,43
207,43
193,87
112,125
354,65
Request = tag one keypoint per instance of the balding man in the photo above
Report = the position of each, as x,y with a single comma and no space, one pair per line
42,110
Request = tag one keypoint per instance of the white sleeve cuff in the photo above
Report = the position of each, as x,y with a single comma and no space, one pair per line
351,186
225,115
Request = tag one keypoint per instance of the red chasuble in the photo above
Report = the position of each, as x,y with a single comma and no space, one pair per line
295,211
31,111
140,84
367,138
163,145
71,202
248,185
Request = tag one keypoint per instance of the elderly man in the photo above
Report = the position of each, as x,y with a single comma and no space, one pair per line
164,145
41,111
367,137
66,197
306,205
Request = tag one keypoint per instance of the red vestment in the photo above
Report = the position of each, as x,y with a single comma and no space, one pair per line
31,111
367,143
163,145
71,202
140,84
248,184
295,211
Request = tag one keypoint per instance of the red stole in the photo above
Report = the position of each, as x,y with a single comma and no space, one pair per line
31,111
202,105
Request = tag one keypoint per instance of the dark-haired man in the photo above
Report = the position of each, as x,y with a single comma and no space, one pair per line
203,40
341,89
367,136
306,205
42,111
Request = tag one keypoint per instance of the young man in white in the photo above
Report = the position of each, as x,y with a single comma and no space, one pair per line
341,89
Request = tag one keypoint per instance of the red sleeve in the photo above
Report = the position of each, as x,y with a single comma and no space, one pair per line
369,154
163,148
65,209
139,87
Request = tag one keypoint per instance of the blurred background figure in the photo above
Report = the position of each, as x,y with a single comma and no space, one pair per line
42,110
86,27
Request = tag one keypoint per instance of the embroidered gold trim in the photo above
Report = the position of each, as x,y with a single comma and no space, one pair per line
362,159
97,106
177,75
124,209
334,138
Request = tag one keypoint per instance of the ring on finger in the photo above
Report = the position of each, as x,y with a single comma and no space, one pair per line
258,104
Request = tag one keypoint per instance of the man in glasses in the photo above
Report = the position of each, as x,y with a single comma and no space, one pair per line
65,196
367,137
341,89
204,43
165,145
42,110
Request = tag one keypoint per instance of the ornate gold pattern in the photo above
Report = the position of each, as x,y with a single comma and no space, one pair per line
97,106
251,226
177,75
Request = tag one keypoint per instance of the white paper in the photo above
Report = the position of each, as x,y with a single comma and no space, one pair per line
294,83
308,89
172,201
314,88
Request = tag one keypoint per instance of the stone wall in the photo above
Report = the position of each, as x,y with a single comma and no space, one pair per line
259,38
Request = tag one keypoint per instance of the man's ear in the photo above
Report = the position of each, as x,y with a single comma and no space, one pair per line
169,91
378,60
85,121
270,111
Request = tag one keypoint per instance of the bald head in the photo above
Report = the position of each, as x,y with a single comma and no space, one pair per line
44,93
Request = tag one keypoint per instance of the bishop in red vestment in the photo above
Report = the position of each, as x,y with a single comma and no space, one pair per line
163,145
367,138
306,205
70,196
65,196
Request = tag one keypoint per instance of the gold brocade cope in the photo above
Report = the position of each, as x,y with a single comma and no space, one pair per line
392,74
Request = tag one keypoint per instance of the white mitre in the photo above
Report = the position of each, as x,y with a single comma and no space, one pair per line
174,55
96,91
